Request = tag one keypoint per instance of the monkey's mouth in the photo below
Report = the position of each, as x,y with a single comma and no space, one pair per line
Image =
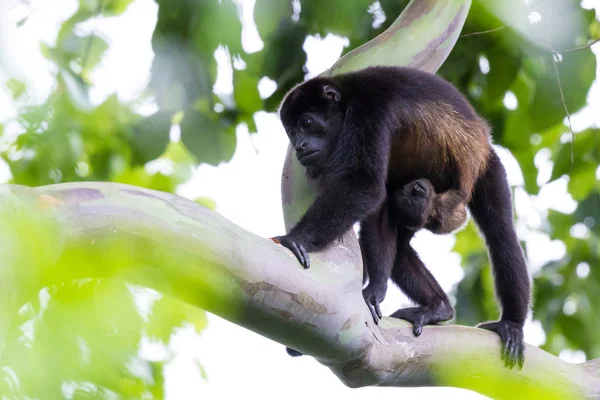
308,157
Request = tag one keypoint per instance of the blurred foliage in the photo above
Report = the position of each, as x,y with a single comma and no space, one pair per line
67,137
83,340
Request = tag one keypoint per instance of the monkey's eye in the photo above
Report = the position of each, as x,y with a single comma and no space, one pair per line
307,122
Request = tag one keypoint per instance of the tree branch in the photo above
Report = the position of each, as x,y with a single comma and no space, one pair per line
178,247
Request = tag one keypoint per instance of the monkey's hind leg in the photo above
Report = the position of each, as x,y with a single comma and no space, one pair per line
491,208
378,247
413,278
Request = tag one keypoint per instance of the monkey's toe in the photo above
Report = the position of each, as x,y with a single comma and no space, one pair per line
414,315
373,296
425,315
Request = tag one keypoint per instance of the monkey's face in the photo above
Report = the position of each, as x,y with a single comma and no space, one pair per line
415,197
310,140
312,117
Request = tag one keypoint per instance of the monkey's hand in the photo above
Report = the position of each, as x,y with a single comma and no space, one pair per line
295,247
511,334
374,295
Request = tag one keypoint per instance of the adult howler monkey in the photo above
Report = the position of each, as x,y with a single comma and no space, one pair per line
369,138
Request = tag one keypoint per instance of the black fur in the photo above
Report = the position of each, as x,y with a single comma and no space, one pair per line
369,137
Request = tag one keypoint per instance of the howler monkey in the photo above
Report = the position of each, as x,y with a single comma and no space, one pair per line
365,135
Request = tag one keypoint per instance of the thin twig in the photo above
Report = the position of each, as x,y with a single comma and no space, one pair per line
559,83
86,54
587,46
562,98
23,20
88,46
483,32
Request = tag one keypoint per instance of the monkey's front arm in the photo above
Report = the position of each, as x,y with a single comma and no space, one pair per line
337,207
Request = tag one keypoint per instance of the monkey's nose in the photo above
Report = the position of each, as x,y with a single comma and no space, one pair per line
301,147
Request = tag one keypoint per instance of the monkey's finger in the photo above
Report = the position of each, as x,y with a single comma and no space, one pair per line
490,326
510,361
418,329
305,256
521,355
298,251
300,254
506,351
373,312
378,309
514,354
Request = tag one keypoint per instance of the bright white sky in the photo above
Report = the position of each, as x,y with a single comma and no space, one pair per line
247,191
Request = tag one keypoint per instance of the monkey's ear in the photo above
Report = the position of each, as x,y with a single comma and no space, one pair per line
331,93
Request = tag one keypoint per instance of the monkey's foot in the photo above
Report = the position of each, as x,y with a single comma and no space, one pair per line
292,352
511,334
296,248
425,315
374,295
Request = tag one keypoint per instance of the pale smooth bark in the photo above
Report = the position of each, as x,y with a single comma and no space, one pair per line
175,246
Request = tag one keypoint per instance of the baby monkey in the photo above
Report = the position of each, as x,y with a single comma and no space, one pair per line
415,206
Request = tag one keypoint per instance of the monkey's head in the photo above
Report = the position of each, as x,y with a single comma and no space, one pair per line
312,115
412,204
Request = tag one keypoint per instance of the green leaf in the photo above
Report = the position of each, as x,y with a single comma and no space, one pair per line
211,142
269,14
89,49
77,90
16,87
320,19
525,157
217,23
207,202
246,96
113,7
168,313
586,154
517,129
140,177
504,67
577,72
284,58
179,76
105,7
589,208
559,223
151,137
86,330
583,181
182,160
468,240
